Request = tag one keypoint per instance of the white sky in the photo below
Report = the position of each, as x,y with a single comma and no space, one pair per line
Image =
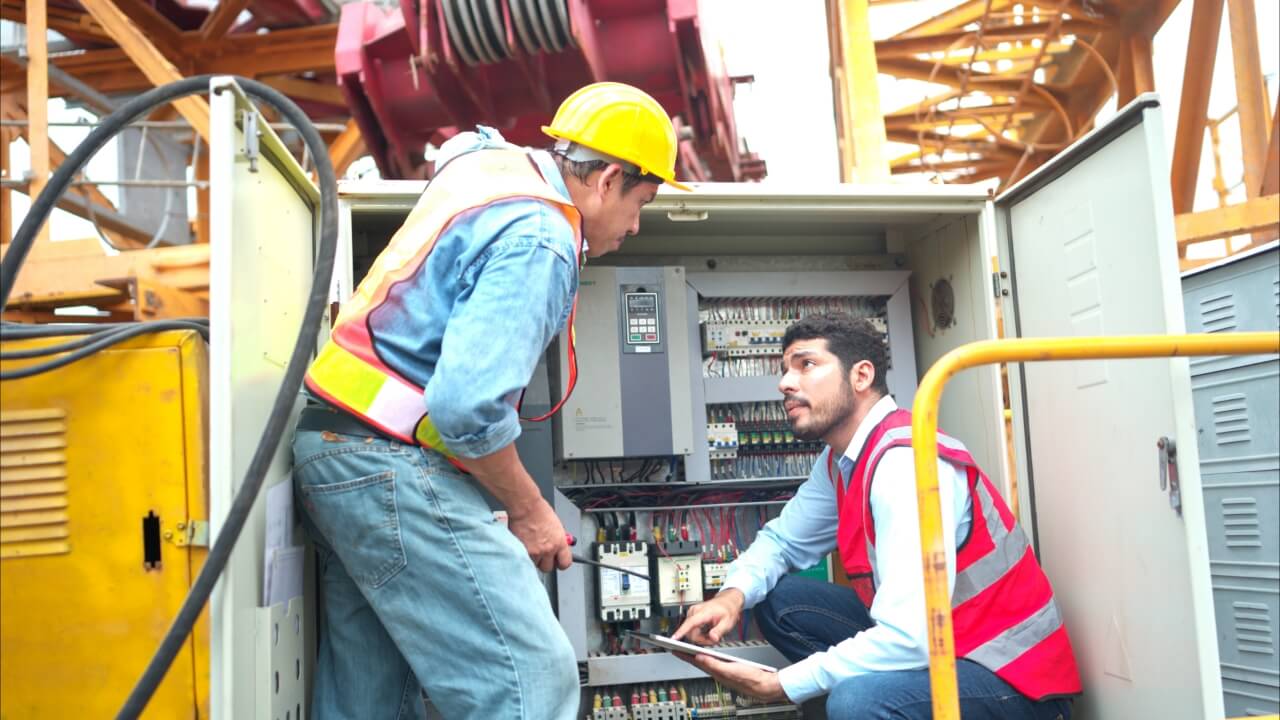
787,116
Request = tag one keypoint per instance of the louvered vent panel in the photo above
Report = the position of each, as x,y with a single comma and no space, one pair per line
1231,419
33,483
1254,633
1275,292
1240,520
1218,313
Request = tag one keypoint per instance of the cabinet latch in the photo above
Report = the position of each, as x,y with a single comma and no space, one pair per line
191,533
1169,472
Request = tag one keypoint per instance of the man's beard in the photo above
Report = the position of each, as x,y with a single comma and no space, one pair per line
824,418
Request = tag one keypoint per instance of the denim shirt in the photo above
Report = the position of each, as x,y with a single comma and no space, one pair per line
471,324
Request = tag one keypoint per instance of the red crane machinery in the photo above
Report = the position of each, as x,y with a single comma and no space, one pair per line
421,72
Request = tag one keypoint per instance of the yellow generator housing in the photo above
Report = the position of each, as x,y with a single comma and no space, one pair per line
103,508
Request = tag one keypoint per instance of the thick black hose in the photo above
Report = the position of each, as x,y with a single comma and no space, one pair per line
238,514
84,347
22,331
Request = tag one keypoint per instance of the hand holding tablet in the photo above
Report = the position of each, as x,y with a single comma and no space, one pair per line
680,646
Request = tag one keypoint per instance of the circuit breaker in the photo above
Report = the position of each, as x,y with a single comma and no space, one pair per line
676,570
622,597
635,350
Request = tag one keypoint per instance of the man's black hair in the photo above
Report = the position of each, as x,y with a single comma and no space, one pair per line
582,169
850,339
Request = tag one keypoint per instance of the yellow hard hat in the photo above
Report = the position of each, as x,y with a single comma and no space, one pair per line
622,123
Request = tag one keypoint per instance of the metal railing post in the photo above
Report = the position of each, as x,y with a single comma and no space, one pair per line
924,424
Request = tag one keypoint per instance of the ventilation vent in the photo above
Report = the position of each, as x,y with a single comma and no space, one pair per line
33,483
1218,313
1275,291
1253,628
1231,419
1240,520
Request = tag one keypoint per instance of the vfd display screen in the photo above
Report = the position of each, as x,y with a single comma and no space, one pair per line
641,302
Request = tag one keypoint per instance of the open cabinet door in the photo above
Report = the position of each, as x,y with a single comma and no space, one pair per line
1088,242
263,229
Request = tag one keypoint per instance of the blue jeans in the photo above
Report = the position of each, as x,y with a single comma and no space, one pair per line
802,616
422,588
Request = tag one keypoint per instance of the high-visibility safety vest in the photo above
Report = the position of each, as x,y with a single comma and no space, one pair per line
348,372
1002,607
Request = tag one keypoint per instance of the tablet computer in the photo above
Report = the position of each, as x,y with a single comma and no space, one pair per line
667,643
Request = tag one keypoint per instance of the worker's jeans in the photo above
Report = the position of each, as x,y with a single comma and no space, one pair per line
802,616
419,583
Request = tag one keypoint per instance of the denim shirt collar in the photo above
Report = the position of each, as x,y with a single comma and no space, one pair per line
485,137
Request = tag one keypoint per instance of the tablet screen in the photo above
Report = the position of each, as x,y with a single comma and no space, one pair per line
667,643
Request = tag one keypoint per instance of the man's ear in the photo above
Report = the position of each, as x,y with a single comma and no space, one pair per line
609,177
862,375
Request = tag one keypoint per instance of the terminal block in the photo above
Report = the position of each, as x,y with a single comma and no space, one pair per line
670,710
622,597
676,570
611,713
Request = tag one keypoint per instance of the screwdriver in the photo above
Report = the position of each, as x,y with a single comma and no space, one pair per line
571,541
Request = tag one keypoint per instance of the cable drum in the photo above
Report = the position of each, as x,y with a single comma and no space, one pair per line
475,24
471,33
562,14
550,24
535,24
453,24
494,27
523,31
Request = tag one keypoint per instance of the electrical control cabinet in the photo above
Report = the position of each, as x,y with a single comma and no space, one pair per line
1084,245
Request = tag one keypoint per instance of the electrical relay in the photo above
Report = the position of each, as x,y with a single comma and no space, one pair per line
676,569
622,597
713,575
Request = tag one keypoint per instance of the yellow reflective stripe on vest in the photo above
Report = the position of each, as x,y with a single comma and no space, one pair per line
393,406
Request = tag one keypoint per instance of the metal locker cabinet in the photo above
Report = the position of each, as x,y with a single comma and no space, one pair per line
263,225
1236,410
99,482
1088,243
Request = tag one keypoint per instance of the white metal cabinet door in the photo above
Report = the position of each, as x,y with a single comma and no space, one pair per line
1089,244
262,226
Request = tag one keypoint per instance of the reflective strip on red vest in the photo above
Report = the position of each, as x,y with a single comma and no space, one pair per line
1004,614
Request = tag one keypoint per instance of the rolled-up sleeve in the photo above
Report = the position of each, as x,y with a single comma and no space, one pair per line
516,298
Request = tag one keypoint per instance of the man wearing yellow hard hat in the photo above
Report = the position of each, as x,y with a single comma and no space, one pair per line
413,409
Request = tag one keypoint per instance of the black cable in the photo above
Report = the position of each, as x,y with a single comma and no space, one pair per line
23,331
97,341
238,514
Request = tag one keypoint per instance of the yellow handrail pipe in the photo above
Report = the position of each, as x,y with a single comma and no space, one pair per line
924,424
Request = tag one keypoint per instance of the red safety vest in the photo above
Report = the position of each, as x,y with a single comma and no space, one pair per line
1002,607
348,372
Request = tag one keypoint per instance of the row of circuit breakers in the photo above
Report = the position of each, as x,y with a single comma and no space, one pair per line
679,576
